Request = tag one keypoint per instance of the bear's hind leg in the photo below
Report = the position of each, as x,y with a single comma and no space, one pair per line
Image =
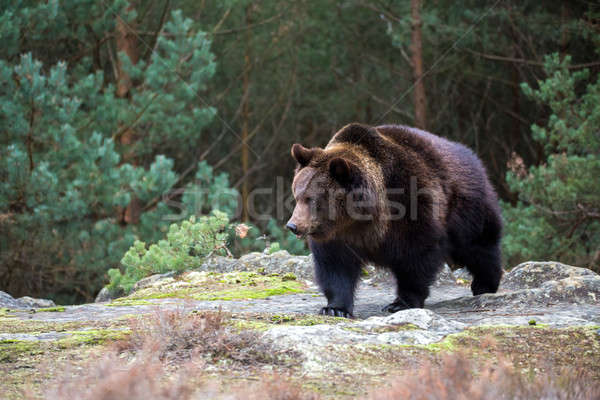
484,263
337,270
479,251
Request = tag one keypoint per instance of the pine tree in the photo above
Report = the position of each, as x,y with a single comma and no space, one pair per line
64,175
558,213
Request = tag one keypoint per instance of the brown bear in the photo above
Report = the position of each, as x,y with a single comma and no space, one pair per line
399,198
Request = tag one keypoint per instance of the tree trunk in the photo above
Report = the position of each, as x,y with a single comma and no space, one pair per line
127,46
126,42
420,99
564,30
245,117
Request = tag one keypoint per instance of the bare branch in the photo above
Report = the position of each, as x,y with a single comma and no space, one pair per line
524,61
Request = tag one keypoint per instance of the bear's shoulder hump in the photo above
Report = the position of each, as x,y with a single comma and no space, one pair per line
355,133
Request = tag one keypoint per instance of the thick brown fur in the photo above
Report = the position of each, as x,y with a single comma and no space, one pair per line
400,198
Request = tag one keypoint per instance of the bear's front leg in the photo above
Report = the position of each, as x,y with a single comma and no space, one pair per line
337,270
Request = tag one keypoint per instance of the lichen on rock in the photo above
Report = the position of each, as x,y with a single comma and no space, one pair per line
203,285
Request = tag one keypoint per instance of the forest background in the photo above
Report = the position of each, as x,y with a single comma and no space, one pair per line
119,118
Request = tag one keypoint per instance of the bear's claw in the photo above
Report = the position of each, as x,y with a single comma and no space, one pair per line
397,305
335,312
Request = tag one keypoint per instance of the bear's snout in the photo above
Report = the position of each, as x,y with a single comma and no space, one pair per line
299,223
292,227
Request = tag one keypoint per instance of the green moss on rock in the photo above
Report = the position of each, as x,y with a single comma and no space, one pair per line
245,325
91,337
289,277
17,325
126,302
51,309
6,313
11,350
226,286
264,321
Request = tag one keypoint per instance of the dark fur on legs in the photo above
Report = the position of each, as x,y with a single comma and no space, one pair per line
413,277
337,270
483,262
476,246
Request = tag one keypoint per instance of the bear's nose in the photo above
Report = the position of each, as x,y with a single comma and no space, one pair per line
292,227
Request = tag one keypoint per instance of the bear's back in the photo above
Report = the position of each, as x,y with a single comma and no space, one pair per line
377,140
405,151
422,141
461,163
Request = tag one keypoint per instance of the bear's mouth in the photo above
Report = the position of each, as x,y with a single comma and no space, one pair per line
314,234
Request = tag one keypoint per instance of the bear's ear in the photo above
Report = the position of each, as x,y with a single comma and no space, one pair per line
341,170
302,154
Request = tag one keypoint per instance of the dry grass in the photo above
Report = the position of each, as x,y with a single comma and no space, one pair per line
458,378
165,357
145,379
114,379
180,335
455,378
275,387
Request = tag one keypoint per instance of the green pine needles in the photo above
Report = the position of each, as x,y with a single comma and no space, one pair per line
65,175
558,216
186,246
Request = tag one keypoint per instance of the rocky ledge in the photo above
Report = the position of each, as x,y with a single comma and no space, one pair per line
7,301
540,305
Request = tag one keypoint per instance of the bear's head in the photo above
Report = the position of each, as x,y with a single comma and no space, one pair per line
334,192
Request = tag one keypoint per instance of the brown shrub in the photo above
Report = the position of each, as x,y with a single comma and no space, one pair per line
458,378
163,357
179,335
275,387
114,379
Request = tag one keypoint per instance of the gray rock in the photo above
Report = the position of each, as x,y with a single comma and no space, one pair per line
419,317
381,275
557,317
103,296
463,273
408,327
151,280
445,277
280,262
377,275
7,301
46,336
30,302
533,274
552,293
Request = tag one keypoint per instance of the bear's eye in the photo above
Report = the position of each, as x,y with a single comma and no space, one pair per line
309,199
